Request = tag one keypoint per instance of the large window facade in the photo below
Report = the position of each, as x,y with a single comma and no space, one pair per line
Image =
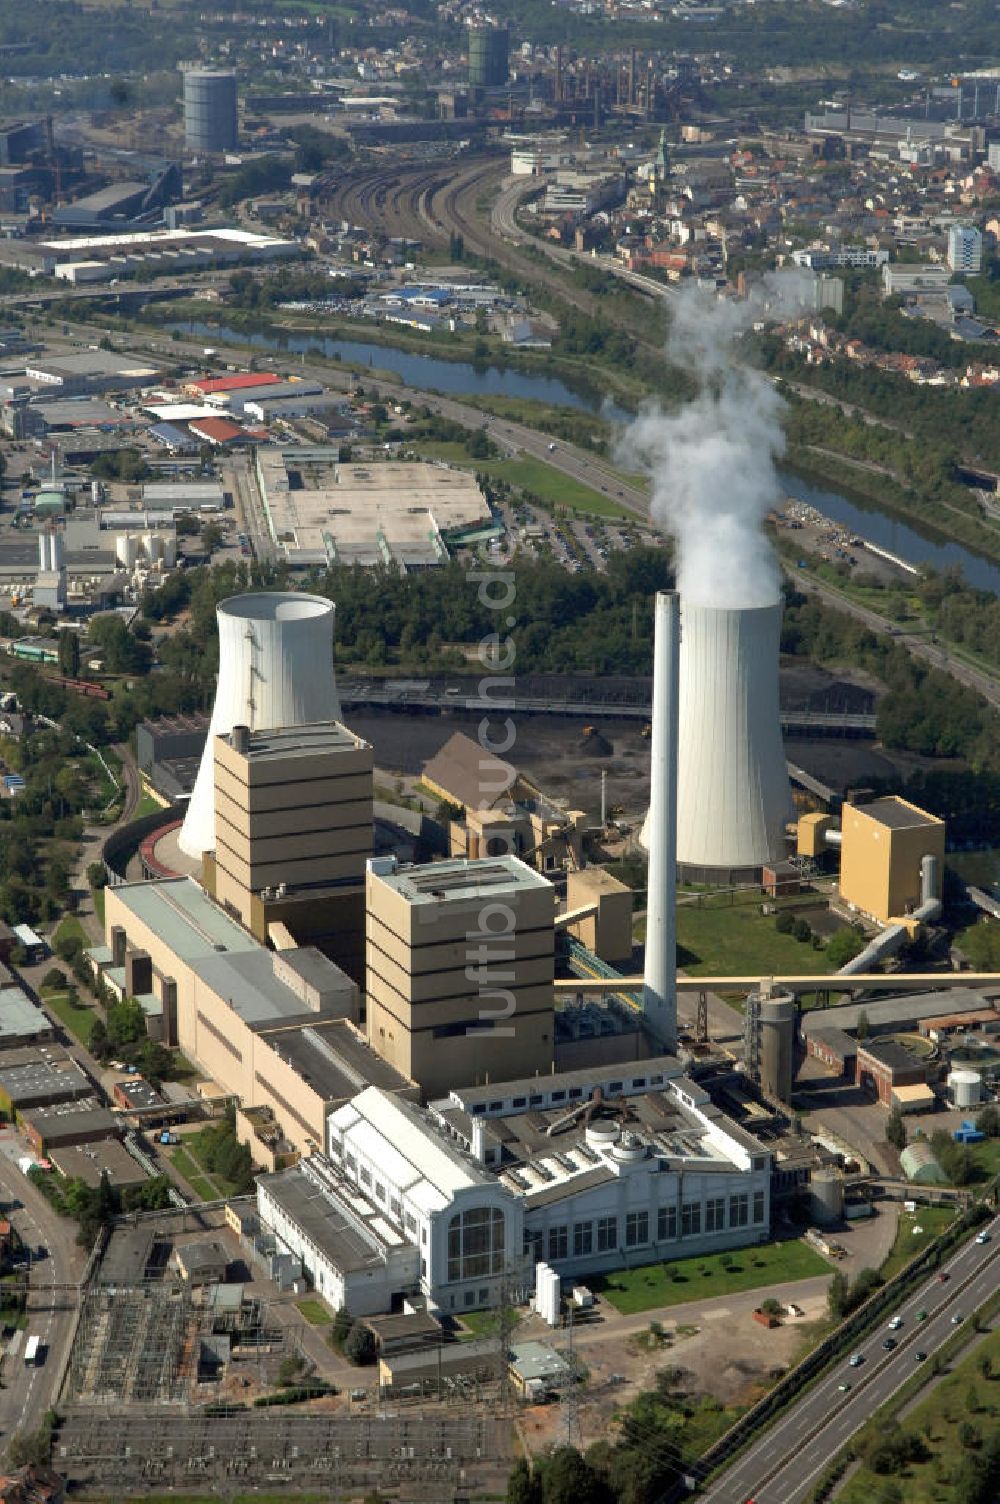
476,1243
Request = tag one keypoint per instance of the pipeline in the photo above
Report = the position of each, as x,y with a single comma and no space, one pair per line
892,938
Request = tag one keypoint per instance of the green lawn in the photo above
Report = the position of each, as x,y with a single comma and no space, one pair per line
76,1016
702,1278
737,939
932,1221
199,1183
97,894
69,928
147,805
315,1312
939,1419
987,1157
551,486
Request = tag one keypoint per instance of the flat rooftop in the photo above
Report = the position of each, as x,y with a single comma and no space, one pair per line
86,1116
888,1012
185,918
341,1222
39,1081
91,363
246,980
303,741
19,1016
88,1162
323,511
461,879
897,814
335,1060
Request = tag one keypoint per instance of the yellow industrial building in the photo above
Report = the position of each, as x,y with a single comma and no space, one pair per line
883,845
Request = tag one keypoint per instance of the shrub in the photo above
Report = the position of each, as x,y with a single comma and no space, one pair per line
359,1345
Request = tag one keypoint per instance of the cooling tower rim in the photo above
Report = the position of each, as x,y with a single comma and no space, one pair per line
709,608
275,606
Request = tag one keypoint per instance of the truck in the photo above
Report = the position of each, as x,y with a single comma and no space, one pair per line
31,1352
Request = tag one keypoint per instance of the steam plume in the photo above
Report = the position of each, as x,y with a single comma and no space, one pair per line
712,462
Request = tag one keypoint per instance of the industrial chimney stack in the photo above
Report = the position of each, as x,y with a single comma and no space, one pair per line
659,988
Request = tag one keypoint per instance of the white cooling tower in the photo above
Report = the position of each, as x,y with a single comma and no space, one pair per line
733,795
275,669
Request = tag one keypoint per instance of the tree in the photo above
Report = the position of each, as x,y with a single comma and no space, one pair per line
359,1345
837,1295
339,1329
844,946
895,1129
69,653
988,1121
523,1486
784,920
801,931
567,1478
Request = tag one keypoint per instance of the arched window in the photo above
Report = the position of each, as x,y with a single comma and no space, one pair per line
476,1246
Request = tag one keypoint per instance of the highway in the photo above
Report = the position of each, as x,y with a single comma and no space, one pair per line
28,1392
933,653
783,1466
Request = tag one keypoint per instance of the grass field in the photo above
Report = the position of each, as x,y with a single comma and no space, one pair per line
97,894
939,1419
147,805
932,1221
69,928
552,487
77,1017
655,1285
737,938
199,1182
315,1312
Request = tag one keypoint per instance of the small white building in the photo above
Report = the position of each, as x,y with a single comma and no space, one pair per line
354,1256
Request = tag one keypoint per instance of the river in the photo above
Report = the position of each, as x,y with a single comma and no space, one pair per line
458,378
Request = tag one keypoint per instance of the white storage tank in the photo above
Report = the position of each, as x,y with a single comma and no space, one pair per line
548,1294
965,1087
826,1196
127,550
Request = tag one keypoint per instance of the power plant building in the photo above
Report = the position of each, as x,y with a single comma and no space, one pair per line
584,1170
210,110
272,1028
733,795
293,832
275,669
460,961
883,846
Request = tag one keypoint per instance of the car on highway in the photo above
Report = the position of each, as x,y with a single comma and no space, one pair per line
982,1237
856,1360
889,1344
895,1323
957,1319
943,1277
844,1388
920,1357
921,1315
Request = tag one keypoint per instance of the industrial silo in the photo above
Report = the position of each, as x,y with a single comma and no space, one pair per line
965,1087
826,1196
210,119
275,669
769,1041
488,52
733,795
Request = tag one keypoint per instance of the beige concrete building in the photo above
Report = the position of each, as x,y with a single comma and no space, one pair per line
604,906
293,830
882,847
460,965
273,1029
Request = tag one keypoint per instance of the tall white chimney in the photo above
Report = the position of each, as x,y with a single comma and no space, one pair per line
275,669
733,795
659,986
